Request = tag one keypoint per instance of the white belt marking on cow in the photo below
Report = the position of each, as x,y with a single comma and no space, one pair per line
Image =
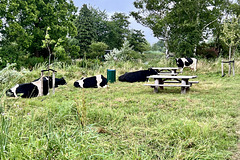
13,89
99,80
38,84
80,82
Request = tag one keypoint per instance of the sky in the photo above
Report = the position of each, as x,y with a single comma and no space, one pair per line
124,6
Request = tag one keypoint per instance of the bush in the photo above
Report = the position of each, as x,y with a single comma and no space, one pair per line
10,53
97,50
9,73
124,54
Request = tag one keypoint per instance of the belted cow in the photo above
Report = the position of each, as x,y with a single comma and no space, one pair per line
137,76
91,82
187,62
32,89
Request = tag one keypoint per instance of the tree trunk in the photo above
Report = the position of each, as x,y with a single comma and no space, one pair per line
230,52
166,43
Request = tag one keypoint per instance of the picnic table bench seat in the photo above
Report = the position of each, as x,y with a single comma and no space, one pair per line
173,81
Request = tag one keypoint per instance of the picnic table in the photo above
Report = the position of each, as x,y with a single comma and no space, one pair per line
167,70
174,81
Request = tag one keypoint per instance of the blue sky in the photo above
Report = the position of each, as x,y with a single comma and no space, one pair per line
125,6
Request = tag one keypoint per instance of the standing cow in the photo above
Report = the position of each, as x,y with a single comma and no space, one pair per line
186,62
92,82
137,76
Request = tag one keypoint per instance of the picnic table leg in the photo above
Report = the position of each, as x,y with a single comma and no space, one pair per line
156,87
184,89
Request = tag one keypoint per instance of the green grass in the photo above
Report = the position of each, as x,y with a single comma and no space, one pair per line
124,121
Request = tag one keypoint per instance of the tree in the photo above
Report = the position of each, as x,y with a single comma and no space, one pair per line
85,28
97,50
159,46
25,23
137,40
117,31
231,34
100,24
180,23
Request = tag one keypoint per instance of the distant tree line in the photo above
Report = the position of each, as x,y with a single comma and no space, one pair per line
30,30
71,34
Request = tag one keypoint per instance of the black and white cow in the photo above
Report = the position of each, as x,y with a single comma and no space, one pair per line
92,82
137,76
32,89
58,81
186,62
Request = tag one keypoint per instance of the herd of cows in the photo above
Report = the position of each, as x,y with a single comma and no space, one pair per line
32,89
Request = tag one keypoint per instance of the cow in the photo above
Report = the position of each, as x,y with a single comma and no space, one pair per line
137,76
98,81
32,89
58,81
186,62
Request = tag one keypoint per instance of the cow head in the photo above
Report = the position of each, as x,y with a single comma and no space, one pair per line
179,62
60,81
76,84
10,93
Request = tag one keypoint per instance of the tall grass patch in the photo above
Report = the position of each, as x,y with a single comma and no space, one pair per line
125,120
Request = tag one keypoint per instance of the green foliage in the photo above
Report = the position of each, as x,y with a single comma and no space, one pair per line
118,30
137,41
124,54
183,28
30,62
26,21
85,28
9,73
231,34
10,53
72,48
159,46
97,50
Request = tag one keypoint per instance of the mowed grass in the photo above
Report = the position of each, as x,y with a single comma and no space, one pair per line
125,121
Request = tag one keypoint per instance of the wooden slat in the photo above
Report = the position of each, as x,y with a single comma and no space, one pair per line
180,82
165,68
169,77
164,85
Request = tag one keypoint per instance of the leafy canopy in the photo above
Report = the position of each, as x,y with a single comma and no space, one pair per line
182,23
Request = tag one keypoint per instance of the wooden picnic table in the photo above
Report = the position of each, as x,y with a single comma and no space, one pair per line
167,70
175,81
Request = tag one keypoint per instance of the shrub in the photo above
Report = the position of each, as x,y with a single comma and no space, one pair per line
124,54
9,73
97,50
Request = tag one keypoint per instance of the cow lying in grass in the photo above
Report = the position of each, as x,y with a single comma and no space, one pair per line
137,76
32,89
187,62
98,81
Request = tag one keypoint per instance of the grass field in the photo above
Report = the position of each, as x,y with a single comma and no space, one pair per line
125,120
